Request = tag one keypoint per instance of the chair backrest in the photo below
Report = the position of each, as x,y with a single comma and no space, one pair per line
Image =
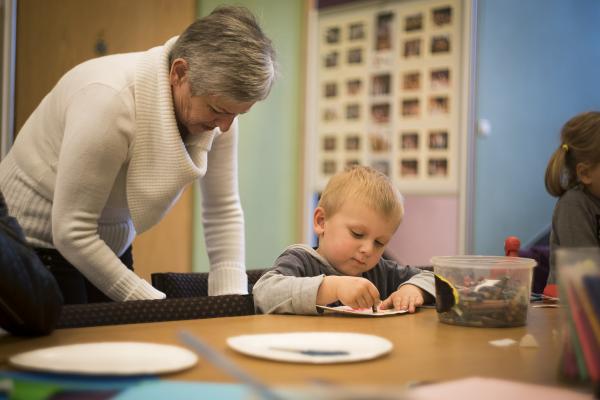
187,298
181,284
192,284
131,312
253,277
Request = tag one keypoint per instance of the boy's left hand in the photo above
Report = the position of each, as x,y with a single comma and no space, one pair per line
408,297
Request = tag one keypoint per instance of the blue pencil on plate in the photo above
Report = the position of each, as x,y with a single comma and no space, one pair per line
312,352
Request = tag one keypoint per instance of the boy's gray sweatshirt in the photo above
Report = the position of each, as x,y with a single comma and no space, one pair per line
291,286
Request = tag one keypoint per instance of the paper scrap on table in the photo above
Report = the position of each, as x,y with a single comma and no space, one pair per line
528,341
367,312
502,342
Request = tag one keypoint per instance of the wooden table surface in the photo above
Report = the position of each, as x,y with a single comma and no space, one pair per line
424,349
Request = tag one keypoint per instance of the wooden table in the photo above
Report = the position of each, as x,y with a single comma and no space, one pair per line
424,349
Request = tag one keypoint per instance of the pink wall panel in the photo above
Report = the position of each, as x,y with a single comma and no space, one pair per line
429,228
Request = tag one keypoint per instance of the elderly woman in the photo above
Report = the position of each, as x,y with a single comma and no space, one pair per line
109,150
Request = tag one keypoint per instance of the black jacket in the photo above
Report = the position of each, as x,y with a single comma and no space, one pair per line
30,300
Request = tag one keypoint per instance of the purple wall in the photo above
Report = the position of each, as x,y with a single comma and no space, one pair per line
429,228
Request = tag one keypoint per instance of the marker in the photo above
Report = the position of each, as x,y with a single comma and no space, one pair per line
224,363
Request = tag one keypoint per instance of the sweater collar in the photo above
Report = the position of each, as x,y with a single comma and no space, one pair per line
161,165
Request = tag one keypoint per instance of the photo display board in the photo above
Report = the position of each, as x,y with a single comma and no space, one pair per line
389,93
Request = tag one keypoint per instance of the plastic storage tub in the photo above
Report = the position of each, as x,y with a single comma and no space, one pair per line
485,291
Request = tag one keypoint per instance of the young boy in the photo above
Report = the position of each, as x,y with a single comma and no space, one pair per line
357,215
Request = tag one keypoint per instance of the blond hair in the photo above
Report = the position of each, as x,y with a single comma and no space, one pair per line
363,184
580,143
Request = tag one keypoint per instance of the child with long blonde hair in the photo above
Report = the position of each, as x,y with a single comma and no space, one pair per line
573,175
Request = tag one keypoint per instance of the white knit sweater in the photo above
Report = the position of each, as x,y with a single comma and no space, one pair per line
101,158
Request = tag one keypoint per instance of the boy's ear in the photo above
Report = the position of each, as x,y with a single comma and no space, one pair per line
319,221
583,173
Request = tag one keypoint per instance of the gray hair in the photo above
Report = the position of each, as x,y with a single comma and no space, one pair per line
228,54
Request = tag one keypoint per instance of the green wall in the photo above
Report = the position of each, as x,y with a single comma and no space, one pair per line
269,151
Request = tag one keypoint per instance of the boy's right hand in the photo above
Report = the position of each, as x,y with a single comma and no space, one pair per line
352,291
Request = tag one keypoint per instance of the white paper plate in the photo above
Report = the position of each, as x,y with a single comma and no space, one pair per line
287,347
107,358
